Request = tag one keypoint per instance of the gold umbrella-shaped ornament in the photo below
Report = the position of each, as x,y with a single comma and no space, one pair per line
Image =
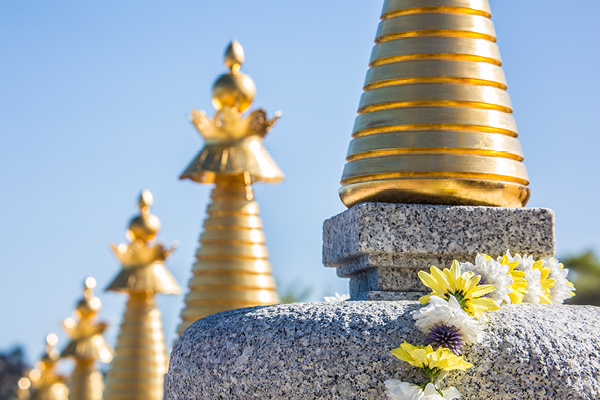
86,346
42,382
232,268
435,123
140,361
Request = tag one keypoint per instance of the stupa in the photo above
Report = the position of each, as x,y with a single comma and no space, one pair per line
435,123
232,268
87,346
140,360
46,383
434,174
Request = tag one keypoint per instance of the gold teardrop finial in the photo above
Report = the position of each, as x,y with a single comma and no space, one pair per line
89,305
89,284
145,226
51,339
234,56
145,201
52,354
235,89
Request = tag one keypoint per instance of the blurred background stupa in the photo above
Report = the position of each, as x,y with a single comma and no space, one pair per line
46,383
140,359
86,346
232,268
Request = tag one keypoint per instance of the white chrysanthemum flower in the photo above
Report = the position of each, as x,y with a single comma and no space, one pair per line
533,277
407,391
492,273
449,313
563,289
337,298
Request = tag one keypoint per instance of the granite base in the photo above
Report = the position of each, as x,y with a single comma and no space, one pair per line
381,247
309,351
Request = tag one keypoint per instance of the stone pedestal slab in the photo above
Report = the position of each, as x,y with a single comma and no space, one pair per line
381,247
308,351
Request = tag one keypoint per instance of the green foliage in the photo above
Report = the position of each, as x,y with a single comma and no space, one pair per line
295,293
12,368
585,274
585,263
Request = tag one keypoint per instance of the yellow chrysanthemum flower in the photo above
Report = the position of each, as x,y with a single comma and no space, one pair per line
546,282
464,287
519,286
431,361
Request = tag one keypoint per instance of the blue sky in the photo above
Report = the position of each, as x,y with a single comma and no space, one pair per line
93,104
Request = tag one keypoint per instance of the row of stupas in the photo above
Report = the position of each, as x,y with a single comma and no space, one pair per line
232,268
434,127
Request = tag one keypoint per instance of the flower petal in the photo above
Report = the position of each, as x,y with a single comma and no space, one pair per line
480,290
451,393
431,282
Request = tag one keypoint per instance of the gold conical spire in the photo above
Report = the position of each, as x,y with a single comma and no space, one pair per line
435,123
43,382
232,268
140,361
87,345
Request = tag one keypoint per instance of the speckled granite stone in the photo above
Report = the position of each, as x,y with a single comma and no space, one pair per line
388,296
381,247
341,351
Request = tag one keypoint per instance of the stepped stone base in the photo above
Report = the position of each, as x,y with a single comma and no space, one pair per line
382,247
341,351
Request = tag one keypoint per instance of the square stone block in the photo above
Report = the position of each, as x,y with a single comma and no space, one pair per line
381,247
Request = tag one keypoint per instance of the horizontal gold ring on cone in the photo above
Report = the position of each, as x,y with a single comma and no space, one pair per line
442,191
436,48
435,95
435,71
392,143
240,281
458,25
258,266
393,8
433,119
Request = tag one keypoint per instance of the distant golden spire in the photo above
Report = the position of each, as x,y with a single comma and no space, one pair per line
140,362
232,268
43,382
87,345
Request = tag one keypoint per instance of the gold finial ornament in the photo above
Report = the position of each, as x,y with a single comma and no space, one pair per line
234,89
87,345
234,56
140,361
435,123
43,383
232,268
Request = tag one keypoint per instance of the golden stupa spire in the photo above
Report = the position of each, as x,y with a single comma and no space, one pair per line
43,382
435,123
232,268
140,362
87,345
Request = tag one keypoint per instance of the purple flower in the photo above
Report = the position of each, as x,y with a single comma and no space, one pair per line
445,336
